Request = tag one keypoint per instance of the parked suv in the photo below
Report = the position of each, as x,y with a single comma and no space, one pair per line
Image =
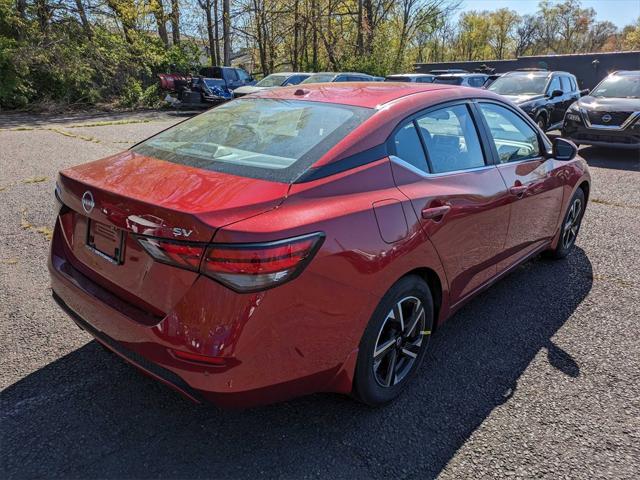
545,96
234,77
610,115
476,80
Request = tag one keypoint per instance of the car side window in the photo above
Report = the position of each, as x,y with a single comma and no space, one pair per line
476,81
232,74
566,86
574,86
515,139
409,148
451,139
341,78
554,85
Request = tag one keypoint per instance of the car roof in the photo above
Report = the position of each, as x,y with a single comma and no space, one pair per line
411,75
357,94
288,74
630,73
540,73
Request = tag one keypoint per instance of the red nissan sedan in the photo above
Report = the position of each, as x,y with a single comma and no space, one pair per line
308,239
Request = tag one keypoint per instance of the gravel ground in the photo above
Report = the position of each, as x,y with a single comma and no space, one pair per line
537,377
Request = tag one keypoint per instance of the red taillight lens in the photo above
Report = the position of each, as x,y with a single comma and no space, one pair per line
252,267
181,255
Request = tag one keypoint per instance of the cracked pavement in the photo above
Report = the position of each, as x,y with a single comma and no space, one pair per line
537,377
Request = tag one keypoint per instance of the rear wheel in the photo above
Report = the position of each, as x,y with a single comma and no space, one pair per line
570,226
395,341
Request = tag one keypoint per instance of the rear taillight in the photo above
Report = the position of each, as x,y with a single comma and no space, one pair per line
247,267
183,255
257,266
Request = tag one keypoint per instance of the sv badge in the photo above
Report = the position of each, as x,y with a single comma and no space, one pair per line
181,232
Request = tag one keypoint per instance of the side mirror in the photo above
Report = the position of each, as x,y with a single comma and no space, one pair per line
564,149
585,92
557,93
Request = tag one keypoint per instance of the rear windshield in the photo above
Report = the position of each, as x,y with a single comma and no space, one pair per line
272,81
448,80
270,139
320,78
397,79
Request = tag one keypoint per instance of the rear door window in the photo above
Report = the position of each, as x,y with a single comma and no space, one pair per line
451,139
409,148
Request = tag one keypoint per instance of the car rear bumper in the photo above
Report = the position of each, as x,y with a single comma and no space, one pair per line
266,358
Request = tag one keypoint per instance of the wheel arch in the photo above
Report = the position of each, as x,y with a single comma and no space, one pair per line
433,281
586,188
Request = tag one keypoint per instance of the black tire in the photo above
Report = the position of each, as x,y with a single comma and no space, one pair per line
541,120
373,383
570,226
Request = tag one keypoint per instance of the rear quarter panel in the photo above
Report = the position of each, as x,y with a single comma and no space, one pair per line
355,266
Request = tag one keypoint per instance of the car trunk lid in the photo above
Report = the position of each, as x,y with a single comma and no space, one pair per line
114,200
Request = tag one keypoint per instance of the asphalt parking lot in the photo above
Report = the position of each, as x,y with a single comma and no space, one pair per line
537,377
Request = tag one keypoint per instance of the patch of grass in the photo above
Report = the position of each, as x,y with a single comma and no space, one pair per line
21,129
47,232
62,132
110,122
25,224
615,280
34,180
9,261
612,204
73,135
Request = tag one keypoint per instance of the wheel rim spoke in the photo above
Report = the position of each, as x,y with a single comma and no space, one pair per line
414,319
409,353
384,348
391,370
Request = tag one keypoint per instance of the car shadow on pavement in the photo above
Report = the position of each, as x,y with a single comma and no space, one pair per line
612,158
90,415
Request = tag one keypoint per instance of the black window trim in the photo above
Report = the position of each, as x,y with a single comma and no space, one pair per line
542,139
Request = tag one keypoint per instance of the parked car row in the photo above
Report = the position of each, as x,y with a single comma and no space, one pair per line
609,116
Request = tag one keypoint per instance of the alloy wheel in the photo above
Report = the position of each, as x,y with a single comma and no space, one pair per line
572,224
399,342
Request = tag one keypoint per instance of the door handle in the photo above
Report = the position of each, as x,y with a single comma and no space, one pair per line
518,190
435,213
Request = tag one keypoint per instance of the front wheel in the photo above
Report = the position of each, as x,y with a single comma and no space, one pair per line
570,226
395,341
541,120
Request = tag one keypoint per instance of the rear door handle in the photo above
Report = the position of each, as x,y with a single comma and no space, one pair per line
518,190
435,213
